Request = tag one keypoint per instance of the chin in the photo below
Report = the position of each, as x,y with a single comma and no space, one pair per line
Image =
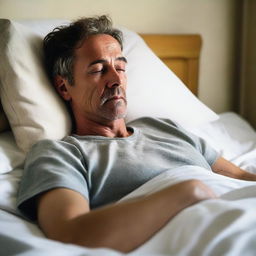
114,116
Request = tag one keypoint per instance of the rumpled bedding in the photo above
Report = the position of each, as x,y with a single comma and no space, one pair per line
223,226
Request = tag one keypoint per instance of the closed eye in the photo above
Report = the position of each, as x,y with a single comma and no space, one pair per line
98,71
120,69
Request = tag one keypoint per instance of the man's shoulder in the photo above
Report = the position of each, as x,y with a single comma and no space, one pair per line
51,144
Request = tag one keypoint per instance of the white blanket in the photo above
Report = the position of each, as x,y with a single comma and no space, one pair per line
224,226
212,227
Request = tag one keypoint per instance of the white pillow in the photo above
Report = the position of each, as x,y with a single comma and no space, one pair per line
35,111
33,108
11,156
231,135
154,90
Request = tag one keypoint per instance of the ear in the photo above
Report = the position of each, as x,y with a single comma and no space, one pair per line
61,85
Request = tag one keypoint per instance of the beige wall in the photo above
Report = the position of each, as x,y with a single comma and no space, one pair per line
248,60
215,20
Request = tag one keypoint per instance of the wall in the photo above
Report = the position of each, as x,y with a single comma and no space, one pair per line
248,60
215,20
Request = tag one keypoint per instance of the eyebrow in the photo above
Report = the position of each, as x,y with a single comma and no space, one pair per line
104,61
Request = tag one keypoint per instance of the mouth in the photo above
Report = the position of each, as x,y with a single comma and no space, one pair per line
113,95
115,98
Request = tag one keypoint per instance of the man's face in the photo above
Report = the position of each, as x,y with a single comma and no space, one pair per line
99,86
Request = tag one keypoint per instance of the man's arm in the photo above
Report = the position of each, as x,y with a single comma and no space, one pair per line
226,168
64,215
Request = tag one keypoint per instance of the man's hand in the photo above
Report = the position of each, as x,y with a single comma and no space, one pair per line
64,215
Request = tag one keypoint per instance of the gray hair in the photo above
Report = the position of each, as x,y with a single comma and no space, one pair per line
60,44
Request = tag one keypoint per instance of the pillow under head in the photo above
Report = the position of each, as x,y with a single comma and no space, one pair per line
36,112
30,102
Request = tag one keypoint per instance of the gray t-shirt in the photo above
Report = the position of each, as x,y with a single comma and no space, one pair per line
105,169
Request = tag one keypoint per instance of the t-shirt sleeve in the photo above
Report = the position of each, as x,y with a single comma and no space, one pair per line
209,153
49,165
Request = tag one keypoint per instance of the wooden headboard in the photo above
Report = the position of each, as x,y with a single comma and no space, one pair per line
179,52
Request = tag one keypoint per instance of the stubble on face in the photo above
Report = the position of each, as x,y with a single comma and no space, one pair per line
97,98
113,103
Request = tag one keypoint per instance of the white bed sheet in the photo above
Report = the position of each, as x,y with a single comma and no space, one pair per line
214,227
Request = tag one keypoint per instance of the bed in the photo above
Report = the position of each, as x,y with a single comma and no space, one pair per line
30,111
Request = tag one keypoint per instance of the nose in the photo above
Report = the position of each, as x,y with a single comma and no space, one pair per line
114,78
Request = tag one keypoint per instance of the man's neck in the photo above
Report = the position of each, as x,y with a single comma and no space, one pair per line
112,129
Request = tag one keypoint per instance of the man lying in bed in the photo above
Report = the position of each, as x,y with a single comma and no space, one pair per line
71,186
